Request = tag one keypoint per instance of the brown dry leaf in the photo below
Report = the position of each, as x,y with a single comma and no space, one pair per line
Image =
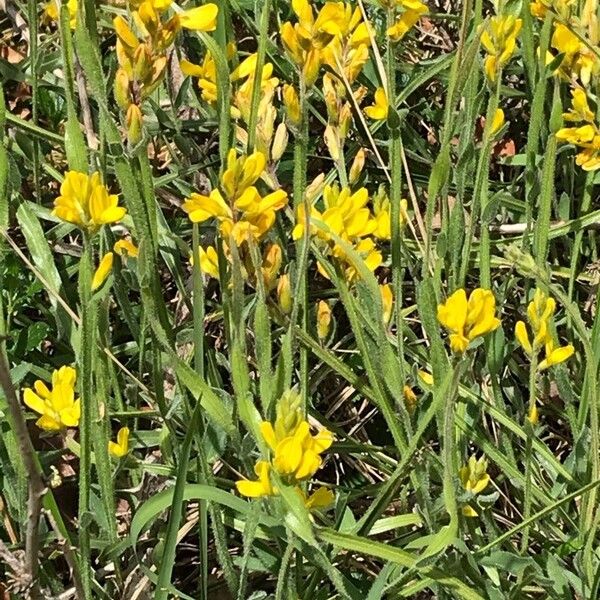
506,147
11,55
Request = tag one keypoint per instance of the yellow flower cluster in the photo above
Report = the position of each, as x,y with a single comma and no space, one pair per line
578,61
586,136
475,479
85,201
142,51
270,138
57,406
336,36
348,217
60,409
241,211
295,454
468,319
499,40
539,315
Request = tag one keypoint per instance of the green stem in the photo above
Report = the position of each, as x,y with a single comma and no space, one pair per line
538,115
198,314
441,169
32,6
449,444
260,62
388,411
395,167
529,448
299,191
478,204
484,251
85,367
75,146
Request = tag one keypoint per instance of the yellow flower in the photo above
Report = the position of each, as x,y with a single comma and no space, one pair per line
85,201
578,61
497,122
121,447
271,264
580,108
284,294
305,40
383,217
320,498
243,212
103,271
414,10
206,74
57,406
499,40
126,247
297,456
260,487
295,452
555,356
426,378
585,137
346,216
209,261
379,110
323,319
349,50
539,314
201,18
52,11
475,479
467,320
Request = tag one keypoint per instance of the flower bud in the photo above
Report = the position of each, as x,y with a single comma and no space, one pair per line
121,89
387,300
142,62
134,124
533,415
410,399
311,67
271,264
292,105
103,271
345,120
124,33
280,142
323,319
332,142
497,122
524,263
288,414
284,294
357,166
314,188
